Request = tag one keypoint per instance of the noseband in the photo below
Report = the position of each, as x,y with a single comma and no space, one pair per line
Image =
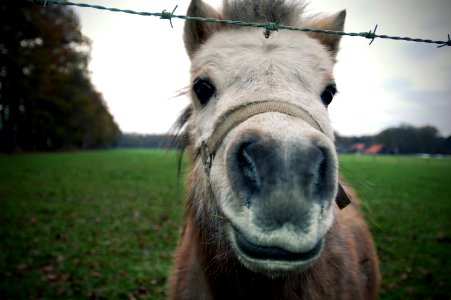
237,115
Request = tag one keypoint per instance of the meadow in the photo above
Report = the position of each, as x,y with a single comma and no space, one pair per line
103,224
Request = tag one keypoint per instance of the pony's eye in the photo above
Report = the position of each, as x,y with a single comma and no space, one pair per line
204,89
328,94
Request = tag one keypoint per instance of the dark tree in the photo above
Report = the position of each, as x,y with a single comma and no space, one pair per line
446,145
47,101
407,139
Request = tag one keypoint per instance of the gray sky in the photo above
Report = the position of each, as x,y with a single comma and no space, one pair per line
139,64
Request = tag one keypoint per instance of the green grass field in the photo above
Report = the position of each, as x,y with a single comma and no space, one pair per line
407,201
103,224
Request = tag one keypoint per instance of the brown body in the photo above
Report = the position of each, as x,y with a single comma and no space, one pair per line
347,268
261,214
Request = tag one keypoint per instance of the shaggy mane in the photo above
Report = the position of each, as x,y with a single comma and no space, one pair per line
277,11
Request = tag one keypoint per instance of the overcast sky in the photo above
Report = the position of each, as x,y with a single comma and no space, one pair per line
139,63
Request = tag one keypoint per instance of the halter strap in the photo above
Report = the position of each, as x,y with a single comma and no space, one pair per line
237,115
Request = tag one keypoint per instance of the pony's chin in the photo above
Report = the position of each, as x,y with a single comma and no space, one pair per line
273,261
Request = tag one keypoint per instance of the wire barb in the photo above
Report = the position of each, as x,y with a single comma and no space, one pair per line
168,15
447,43
269,27
372,35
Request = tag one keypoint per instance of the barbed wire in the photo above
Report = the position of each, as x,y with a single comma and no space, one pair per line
268,26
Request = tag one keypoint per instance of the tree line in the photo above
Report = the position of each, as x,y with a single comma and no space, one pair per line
161,141
47,101
404,139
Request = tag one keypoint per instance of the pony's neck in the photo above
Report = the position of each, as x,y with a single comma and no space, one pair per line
227,278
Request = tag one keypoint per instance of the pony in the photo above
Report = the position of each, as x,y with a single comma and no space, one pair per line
264,210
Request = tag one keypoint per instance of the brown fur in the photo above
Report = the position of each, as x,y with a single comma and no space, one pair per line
197,30
205,265
334,22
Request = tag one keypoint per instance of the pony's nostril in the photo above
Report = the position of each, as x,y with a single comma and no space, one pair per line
247,168
323,174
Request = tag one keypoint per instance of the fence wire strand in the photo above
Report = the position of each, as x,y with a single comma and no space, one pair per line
268,26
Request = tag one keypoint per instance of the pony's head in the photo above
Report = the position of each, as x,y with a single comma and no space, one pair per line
259,130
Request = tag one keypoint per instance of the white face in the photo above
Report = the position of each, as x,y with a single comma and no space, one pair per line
274,176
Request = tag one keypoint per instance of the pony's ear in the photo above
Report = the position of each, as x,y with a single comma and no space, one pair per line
334,22
196,33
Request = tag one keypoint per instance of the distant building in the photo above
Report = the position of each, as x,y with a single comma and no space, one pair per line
363,148
358,147
374,149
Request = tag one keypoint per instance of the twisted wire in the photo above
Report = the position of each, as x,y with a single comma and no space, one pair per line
268,26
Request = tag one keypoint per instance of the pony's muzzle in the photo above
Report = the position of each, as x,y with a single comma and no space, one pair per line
281,174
